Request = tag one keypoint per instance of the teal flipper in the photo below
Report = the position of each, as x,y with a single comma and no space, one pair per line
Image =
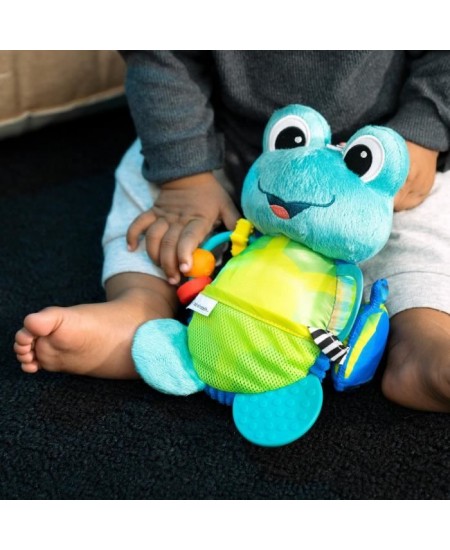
161,356
280,416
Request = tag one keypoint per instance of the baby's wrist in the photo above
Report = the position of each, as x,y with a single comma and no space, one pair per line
192,180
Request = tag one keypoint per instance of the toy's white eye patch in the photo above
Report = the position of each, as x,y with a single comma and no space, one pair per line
365,157
289,132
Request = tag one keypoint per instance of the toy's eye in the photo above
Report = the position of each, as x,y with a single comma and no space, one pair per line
365,157
289,132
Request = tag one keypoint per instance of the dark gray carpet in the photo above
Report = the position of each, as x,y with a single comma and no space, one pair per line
65,437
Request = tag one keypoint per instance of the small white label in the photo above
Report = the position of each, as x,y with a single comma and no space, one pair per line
203,305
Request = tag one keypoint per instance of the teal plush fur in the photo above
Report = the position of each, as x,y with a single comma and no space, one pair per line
348,219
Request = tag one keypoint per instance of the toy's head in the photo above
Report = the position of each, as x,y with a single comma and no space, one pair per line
338,201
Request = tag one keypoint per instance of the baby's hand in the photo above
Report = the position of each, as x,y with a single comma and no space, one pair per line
422,171
185,211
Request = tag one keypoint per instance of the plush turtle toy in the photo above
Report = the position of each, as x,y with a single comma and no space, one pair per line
286,308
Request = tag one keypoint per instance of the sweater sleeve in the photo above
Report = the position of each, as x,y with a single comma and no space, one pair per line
169,94
423,115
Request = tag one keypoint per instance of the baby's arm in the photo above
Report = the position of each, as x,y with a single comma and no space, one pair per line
423,119
169,93
185,211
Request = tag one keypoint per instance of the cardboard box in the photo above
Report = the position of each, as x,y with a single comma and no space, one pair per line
41,86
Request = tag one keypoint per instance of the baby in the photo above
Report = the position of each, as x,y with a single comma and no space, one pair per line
199,117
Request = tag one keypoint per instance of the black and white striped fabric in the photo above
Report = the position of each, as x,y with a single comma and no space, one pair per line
330,346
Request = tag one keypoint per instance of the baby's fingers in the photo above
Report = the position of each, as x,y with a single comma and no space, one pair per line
153,239
168,253
138,227
230,215
191,236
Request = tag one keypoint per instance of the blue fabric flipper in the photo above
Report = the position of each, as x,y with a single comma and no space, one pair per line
367,342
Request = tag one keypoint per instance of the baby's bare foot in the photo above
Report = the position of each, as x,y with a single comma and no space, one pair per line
418,366
91,339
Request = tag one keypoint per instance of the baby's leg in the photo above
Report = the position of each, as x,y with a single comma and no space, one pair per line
416,262
418,365
95,339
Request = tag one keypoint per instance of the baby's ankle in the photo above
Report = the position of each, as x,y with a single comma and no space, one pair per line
146,302
152,294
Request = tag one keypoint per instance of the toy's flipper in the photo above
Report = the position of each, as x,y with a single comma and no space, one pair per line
367,342
280,416
161,356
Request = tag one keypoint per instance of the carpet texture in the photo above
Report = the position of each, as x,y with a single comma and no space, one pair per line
66,437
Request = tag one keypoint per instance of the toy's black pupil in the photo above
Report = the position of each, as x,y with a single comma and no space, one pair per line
358,159
290,137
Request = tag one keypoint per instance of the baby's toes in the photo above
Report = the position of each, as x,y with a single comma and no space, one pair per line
28,357
24,338
31,367
22,349
24,352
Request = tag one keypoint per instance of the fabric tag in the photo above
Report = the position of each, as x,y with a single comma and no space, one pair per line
203,305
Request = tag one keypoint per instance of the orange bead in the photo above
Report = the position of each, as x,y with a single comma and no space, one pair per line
203,263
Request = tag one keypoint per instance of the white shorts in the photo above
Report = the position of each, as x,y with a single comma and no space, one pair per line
416,260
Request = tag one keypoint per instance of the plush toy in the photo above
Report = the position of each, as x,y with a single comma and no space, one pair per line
287,307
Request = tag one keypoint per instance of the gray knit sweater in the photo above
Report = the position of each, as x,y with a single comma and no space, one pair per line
199,110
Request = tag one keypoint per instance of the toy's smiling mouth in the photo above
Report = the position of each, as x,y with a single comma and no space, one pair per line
287,210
